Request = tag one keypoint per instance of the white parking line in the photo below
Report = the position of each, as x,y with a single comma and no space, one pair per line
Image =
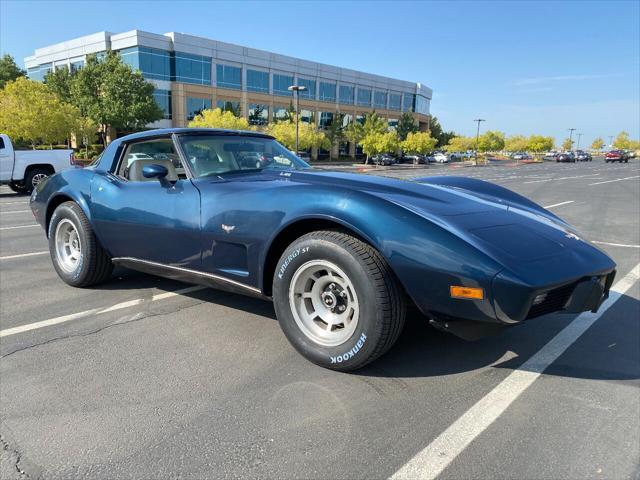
560,204
14,211
95,311
615,244
616,180
431,462
564,178
20,226
9,257
14,203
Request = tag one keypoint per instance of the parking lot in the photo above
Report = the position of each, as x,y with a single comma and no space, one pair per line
147,378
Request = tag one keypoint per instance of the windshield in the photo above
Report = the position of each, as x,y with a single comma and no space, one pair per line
219,154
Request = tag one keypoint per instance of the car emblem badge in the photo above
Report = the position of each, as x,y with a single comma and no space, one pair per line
228,228
572,235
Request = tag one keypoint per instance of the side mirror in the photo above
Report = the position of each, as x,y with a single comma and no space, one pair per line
156,171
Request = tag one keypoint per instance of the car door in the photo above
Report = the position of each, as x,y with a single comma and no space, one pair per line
145,219
6,161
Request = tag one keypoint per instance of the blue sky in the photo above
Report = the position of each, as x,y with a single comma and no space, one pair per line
527,67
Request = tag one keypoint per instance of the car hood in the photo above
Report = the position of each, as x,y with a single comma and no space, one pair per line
508,228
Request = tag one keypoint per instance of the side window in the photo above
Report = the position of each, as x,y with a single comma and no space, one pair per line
159,151
1,143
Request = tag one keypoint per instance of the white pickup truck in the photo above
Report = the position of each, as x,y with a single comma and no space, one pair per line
22,170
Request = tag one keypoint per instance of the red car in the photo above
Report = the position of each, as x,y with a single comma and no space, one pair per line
616,156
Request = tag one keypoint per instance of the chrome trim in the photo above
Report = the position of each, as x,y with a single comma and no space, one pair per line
188,270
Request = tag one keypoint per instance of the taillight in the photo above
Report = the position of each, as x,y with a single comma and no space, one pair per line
74,162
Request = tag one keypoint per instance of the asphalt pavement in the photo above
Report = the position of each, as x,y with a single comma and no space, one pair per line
144,377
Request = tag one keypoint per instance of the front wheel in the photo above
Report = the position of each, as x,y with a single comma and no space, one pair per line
76,254
34,177
337,300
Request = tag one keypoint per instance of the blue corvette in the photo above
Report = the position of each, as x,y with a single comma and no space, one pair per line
341,255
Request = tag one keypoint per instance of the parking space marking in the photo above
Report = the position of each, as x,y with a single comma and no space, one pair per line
14,211
96,311
20,226
564,178
9,257
432,460
14,203
560,204
616,180
615,244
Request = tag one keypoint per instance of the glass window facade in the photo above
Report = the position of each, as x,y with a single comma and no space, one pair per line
364,97
392,123
395,101
257,81
258,114
229,106
325,119
189,68
327,92
151,62
38,73
346,94
196,105
310,92
306,116
280,113
281,83
422,105
163,99
407,103
380,99
75,66
360,119
228,77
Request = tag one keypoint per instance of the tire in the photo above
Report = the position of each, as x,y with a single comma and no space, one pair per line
366,287
33,177
92,264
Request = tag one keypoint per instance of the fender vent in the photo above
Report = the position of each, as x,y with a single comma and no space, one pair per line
555,300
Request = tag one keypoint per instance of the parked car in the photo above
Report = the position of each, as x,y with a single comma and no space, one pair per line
440,157
582,156
550,156
383,159
304,156
339,254
414,158
616,156
22,170
566,157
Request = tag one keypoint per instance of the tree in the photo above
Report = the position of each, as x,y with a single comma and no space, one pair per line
59,82
622,141
9,70
597,144
378,142
490,141
309,136
419,142
85,132
354,132
31,112
113,95
460,144
216,118
539,143
567,144
438,133
335,131
406,125
374,123
516,143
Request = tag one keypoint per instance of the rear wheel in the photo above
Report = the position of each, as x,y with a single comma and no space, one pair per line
75,252
34,177
337,300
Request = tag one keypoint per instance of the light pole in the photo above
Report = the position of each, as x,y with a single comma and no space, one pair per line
478,135
571,130
578,145
610,141
296,89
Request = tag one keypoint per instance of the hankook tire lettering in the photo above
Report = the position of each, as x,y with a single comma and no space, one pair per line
351,353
